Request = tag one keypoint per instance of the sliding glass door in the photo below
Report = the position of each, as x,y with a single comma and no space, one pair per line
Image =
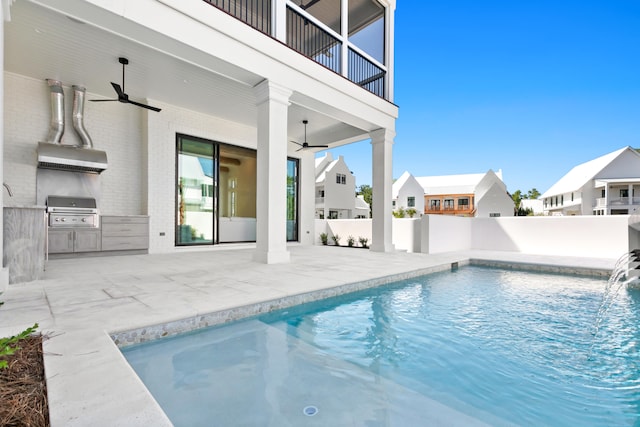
292,199
216,188
196,191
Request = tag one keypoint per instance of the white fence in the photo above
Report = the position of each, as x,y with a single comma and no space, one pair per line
586,236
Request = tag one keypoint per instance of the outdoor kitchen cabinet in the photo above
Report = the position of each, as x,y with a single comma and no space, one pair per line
65,240
125,233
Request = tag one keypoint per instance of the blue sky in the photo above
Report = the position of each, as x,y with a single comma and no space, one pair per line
532,87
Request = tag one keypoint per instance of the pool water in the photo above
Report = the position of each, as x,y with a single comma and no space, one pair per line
477,346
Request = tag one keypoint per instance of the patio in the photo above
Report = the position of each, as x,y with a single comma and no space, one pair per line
82,301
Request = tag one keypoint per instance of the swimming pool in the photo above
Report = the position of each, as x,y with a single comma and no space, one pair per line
470,347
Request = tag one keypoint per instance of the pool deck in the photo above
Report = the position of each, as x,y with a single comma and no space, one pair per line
81,303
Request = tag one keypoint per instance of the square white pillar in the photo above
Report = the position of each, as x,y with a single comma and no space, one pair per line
272,101
382,143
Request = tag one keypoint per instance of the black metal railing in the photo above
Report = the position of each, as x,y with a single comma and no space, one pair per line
312,41
256,13
308,39
366,74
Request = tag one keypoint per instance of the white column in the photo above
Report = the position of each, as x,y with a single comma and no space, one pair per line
279,20
4,14
389,49
272,101
382,143
344,32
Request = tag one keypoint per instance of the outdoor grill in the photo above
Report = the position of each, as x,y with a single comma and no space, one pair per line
65,211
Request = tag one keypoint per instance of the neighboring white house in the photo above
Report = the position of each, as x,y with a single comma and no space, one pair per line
363,209
536,205
336,189
479,195
602,186
234,82
407,192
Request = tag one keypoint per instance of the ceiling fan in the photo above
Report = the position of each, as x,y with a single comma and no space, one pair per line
305,144
122,95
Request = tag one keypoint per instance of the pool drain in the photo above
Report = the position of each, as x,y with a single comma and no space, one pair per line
310,411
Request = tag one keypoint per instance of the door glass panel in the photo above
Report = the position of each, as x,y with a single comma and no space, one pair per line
237,197
195,192
292,199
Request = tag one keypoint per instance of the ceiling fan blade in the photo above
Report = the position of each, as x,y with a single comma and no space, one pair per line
118,90
149,107
318,146
296,142
103,100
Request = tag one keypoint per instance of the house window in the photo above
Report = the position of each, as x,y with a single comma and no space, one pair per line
411,202
572,197
341,178
434,205
624,192
562,199
393,203
603,193
333,214
448,204
463,203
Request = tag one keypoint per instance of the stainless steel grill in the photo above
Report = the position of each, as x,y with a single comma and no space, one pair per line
65,211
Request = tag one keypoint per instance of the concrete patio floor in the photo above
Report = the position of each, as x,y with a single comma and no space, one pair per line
82,301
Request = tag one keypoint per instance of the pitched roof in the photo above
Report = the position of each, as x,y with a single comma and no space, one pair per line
577,177
397,185
450,184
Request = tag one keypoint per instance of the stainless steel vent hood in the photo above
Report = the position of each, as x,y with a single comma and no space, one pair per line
76,158
71,158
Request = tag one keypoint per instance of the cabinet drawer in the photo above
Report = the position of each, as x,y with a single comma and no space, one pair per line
124,230
106,219
124,243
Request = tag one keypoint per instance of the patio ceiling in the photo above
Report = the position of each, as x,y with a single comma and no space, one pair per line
41,44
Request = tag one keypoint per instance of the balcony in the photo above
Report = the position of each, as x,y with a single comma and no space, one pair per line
313,29
616,201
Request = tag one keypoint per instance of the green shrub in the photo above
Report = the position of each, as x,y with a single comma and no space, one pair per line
350,241
336,239
399,213
324,238
364,242
8,346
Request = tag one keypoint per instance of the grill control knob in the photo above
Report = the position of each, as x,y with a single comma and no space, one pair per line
84,219
63,219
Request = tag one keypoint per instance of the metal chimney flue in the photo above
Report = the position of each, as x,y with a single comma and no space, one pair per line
81,157
56,127
78,116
